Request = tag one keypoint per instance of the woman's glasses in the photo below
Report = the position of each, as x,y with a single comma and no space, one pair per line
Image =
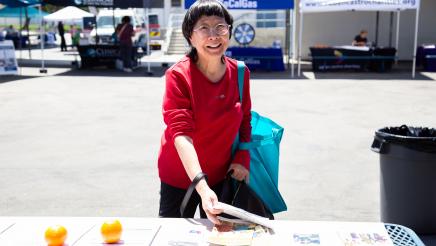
220,30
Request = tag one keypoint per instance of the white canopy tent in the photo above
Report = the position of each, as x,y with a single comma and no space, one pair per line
313,6
68,15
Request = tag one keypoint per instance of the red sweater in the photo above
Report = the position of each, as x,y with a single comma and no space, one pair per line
211,114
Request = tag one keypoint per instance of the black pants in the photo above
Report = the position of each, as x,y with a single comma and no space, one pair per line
126,55
171,198
63,43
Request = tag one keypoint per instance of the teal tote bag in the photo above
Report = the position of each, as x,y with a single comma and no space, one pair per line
264,153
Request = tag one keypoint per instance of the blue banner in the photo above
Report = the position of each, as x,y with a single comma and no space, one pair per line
252,4
105,3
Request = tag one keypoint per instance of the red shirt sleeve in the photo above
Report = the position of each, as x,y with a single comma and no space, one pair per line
243,156
177,107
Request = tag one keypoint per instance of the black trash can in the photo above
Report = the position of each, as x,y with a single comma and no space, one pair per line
407,176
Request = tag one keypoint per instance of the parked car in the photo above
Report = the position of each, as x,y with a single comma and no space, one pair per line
107,21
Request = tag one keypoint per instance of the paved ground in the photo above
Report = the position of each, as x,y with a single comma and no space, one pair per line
85,143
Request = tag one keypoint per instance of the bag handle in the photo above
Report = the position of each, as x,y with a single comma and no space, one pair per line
257,144
241,71
236,183
191,188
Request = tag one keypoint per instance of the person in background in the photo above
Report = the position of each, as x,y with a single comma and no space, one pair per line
75,36
114,37
61,32
141,37
203,114
361,40
10,31
12,34
125,33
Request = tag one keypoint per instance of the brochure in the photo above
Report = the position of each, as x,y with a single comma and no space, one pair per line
229,233
245,216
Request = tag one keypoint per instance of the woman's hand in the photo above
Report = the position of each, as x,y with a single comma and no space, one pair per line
239,172
209,202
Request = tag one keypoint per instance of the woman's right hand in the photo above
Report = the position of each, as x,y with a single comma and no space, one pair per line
209,202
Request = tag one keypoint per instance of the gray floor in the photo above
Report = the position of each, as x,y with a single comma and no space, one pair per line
85,143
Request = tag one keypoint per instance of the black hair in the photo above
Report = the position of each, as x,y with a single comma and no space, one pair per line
195,12
125,19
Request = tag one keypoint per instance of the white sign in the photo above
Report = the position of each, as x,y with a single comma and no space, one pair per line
95,2
241,4
8,62
365,5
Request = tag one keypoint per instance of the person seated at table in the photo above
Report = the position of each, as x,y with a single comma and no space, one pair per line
361,40
10,31
12,34
141,37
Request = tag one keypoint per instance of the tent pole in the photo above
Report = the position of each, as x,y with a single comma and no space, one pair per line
299,43
415,41
148,41
377,20
391,25
397,36
113,16
288,37
20,29
147,26
42,35
20,36
292,42
27,23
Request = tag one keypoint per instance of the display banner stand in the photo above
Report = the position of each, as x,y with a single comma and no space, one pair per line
8,61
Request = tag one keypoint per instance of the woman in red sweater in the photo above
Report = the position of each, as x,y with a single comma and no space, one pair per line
203,114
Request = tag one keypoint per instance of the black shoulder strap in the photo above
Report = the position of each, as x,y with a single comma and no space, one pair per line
191,188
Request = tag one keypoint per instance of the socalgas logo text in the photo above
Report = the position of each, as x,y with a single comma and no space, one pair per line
95,2
240,4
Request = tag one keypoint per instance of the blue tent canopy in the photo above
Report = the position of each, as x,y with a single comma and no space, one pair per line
9,12
19,3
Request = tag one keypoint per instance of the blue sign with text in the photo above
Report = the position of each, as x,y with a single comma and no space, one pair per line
252,4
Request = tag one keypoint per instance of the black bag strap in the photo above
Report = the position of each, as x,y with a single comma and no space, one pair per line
239,194
191,188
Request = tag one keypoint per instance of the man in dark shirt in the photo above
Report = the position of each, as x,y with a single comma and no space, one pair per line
124,33
62,33
361,40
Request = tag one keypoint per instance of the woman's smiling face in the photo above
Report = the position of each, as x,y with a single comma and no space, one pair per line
210,36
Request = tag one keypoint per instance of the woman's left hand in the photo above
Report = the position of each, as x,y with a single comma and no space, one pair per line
239,172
